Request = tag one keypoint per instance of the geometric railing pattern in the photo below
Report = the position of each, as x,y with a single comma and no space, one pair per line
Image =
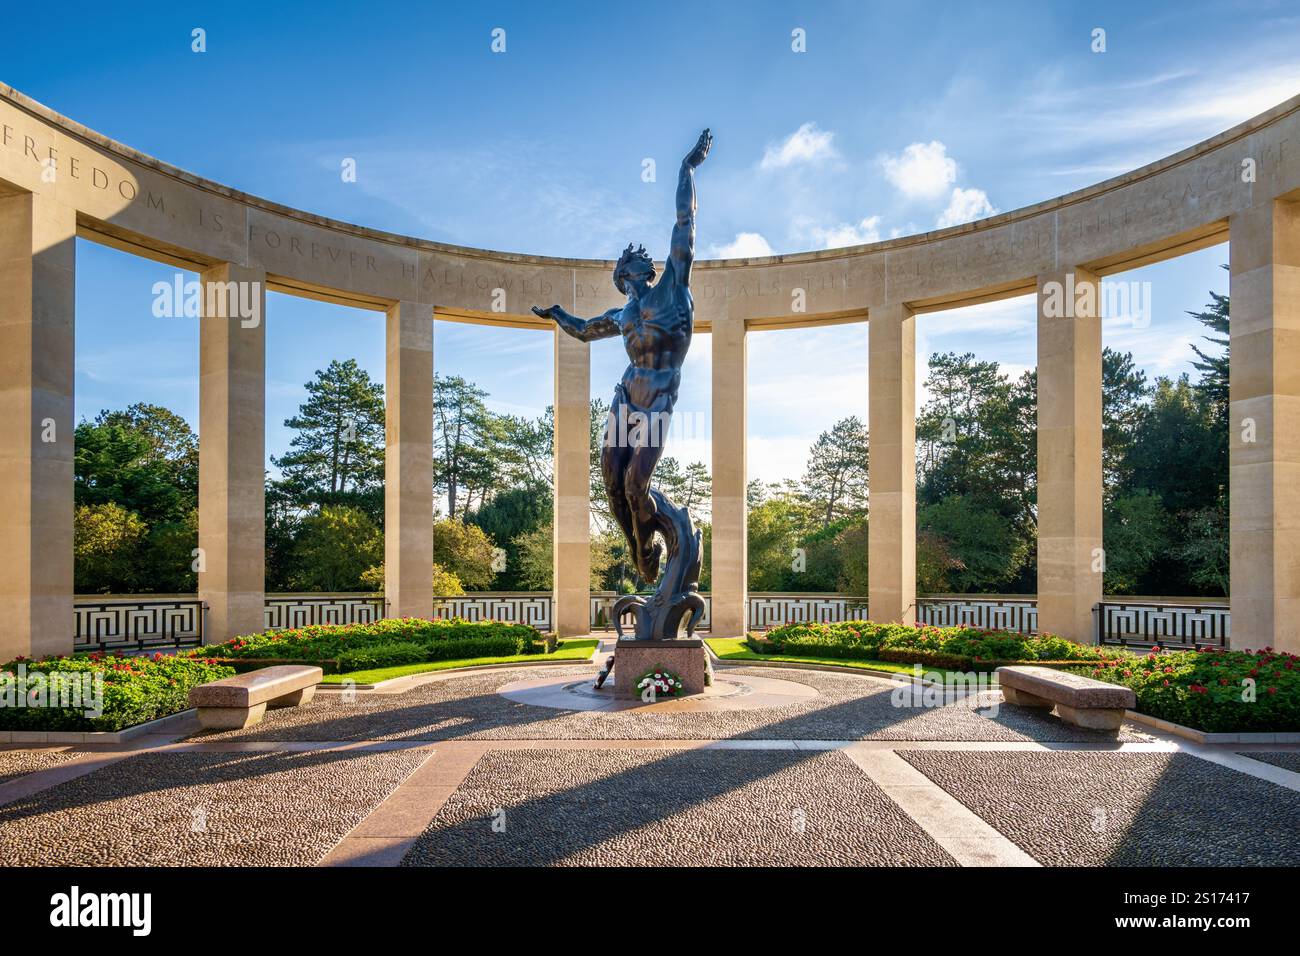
1170,625
140,625
299,610
128,624
1007,615
768,610
516,608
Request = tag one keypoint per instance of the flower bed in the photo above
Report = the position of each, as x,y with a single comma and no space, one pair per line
134,690
954,648
384,643
1213,690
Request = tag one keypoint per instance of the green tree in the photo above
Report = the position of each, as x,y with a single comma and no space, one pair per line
852,543
465,434
106,543
338,445
1173,454
334,548
988,546
1205,550
536,551
465,551
1137,533
505,517
774,527
835,481
171,441
118,464
1124,394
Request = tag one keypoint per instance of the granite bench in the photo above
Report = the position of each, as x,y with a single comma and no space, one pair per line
233,703
1078,700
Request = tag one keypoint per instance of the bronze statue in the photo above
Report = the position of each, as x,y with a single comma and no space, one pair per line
656,325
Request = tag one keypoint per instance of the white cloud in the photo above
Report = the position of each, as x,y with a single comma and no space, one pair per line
807,144
746,245
922,170
963,206
847,234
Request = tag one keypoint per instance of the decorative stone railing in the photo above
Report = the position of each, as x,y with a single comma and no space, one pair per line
137,623
1009,614
299,610
163,621
1174,625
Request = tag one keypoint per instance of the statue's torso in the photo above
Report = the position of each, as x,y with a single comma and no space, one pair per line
657,335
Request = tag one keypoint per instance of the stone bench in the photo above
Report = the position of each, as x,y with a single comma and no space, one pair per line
1078,700
233,703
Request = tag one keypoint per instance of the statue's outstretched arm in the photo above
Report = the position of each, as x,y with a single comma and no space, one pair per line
603,326
682,249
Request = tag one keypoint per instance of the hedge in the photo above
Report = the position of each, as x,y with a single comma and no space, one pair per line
438,640
136,690
955,648
1213,690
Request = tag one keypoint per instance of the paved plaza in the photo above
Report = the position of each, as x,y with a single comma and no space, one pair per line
526,766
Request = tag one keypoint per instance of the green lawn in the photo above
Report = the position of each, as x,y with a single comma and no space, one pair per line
567,651
735,649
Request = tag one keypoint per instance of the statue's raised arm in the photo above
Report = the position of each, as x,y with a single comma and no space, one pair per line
681,252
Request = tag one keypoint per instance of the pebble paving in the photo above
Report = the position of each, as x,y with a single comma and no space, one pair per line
19,763
195,809
1122,809
1279,758
848,707
671,807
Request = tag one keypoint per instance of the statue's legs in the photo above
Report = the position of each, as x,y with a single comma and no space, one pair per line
628,459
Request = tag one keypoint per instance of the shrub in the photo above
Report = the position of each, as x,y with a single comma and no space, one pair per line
136,690
381,655
1211,689
441,640
966,648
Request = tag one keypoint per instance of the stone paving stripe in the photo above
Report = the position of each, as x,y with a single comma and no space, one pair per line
695,807
202,809
1287,760
1276,772
79,764
969,840
389,831
1122,809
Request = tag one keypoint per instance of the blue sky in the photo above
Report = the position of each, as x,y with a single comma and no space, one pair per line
897,119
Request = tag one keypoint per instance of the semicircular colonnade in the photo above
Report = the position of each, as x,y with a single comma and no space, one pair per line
60,180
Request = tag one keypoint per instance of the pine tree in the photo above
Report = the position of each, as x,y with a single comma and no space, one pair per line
339,446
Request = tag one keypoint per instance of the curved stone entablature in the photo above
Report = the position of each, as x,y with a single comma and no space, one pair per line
127,199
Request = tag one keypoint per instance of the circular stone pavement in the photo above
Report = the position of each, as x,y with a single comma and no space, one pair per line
726,693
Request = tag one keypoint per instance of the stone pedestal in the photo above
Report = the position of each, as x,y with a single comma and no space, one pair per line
685,658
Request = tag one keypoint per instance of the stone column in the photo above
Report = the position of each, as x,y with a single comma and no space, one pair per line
729,551
572,524
37,298
891,479
408,461
1264,423
1070,559
232,450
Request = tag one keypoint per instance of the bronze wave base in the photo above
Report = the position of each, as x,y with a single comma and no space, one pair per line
676,603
